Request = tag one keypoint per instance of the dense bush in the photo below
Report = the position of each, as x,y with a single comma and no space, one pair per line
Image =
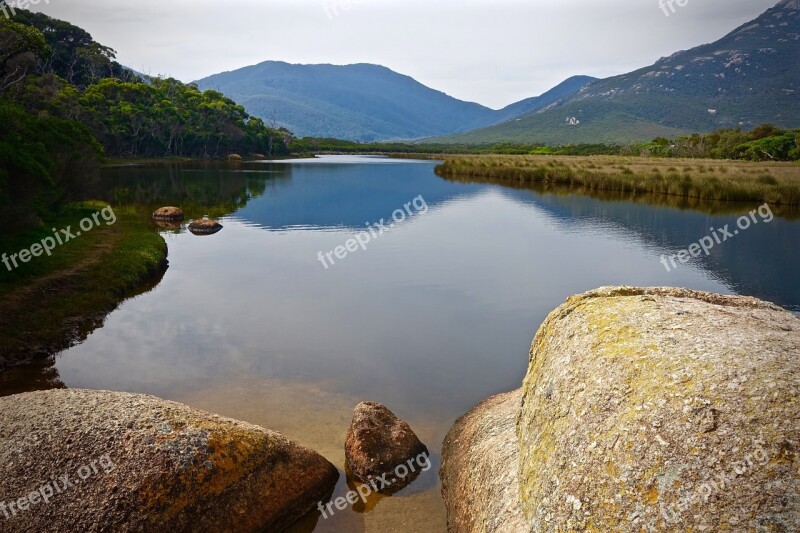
44,163
764,143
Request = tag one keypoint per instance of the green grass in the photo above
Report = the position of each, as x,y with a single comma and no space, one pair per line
49,303
719,181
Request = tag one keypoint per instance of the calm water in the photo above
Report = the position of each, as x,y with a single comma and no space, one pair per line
435,315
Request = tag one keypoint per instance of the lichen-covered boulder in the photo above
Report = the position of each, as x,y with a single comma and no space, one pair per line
659,410
650,409
78,460
377,443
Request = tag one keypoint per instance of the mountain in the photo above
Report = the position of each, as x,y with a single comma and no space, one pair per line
560,91
748,77
361,102
355,102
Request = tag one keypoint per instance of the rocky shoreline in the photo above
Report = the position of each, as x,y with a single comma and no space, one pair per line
642,410
83,460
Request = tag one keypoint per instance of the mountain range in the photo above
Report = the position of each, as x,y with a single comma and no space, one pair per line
361,102
748,77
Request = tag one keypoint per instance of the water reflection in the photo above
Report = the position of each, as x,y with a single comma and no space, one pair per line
211,189
758,262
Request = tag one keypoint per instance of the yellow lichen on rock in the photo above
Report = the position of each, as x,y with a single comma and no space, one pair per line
640,403
174,468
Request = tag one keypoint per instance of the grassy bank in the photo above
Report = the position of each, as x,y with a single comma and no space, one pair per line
703,179
49,303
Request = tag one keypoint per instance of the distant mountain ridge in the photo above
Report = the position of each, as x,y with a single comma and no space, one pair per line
361,102
748,77
554,95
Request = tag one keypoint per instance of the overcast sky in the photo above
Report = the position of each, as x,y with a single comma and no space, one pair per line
494,52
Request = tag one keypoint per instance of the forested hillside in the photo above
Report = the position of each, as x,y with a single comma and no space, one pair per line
355,102
65,103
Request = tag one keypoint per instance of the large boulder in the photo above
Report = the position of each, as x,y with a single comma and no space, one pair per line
649,410
479,468
77,460
378,443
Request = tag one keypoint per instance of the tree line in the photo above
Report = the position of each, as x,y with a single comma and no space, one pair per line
764,143
65,103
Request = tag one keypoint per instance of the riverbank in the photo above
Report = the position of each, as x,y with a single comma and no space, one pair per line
51,302
705,179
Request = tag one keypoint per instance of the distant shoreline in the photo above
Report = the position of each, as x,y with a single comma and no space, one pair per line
714,180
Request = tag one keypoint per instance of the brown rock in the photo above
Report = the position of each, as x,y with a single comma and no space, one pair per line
205,226
234,157
168,214
377,443
138,463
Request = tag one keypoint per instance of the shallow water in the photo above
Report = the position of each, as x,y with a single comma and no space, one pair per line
429,318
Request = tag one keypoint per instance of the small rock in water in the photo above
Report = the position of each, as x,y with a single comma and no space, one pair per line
168,214
205,226
382,449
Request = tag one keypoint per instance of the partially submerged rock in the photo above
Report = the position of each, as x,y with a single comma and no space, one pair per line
205,226
138,463
168,214
234,157
378,443
643,410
